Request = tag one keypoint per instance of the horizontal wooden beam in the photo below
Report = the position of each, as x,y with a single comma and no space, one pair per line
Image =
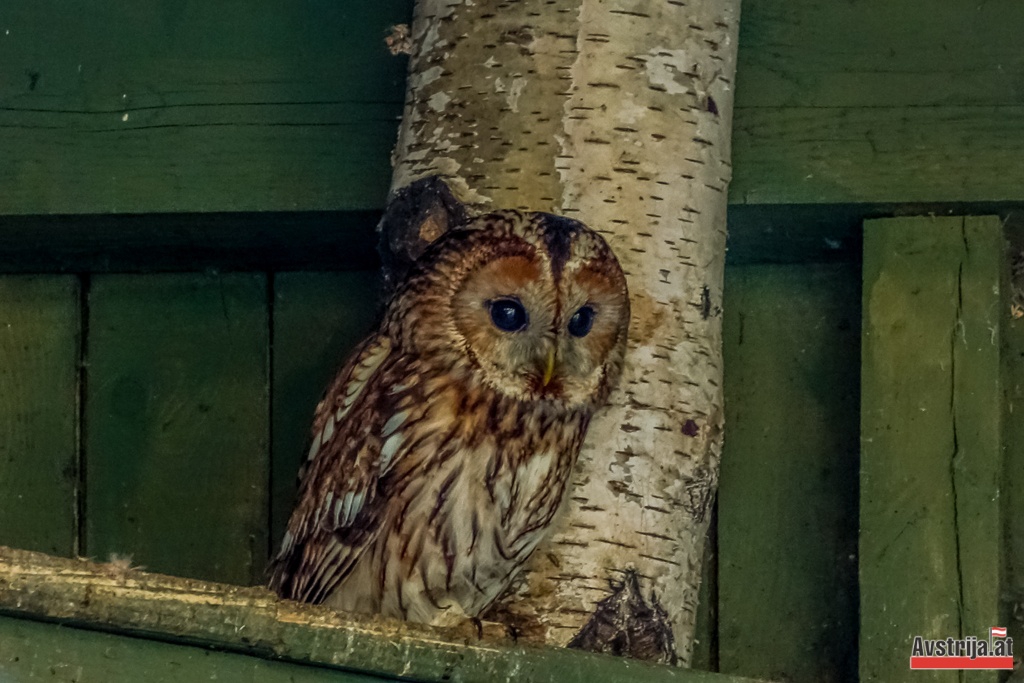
35,651
878,101
808,155
253,621
296,107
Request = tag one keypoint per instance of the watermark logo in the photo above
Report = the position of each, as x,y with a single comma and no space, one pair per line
963,653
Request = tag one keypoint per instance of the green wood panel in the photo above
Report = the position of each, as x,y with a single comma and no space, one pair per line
177,415
318,319
181,105
1013,444
930,417
877,154
878,53
186,105
877,101
39,355
787,525
33,651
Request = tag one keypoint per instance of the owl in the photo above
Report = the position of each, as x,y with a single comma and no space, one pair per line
443,448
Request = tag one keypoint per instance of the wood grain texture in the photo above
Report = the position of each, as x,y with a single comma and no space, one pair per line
1013,444
39,354
252,620
877,154
787,526
930,539
172,106
34,651
318,319
177,417
878,101
295,106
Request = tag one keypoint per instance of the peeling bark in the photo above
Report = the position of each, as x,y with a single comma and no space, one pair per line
617,114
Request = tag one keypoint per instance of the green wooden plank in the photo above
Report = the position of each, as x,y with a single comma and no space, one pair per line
876,101
929,504
251,620
318,319
1013,443
173,105
39,354
951,153
879,53
787,526
33,651
295,106
177,423
977,421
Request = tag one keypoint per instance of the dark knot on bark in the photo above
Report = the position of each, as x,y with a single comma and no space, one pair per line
625,624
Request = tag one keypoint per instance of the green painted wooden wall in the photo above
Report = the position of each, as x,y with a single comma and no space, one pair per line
162,416
184,105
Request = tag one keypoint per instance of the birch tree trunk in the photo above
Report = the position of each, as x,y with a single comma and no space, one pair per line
617,113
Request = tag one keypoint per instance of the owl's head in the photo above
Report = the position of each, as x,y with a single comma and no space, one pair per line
533,305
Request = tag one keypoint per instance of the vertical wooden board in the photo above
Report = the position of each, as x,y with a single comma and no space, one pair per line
177,422
787,525
33,651
977,420
39,354
318,319
1013,441
930,532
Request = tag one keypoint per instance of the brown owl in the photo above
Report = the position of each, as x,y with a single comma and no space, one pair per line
443,448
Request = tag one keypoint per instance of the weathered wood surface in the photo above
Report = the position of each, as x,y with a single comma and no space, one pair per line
295,106
169,105
33,651
1013,443
39,358
176,423
931,535
318,318
787,525
878,101
251,620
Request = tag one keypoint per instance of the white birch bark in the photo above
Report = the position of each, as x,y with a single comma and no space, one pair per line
617,113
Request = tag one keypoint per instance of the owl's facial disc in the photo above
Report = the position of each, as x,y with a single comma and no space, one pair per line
535,338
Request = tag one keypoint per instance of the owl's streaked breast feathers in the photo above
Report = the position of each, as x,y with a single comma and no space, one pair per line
443,448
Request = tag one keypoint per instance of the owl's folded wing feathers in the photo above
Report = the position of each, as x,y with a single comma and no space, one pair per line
339,509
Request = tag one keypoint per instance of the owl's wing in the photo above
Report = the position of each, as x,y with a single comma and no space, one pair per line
340,509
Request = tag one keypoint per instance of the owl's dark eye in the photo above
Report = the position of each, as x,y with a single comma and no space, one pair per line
581,322
508,315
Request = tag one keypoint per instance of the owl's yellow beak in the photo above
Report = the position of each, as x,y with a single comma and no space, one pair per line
549,367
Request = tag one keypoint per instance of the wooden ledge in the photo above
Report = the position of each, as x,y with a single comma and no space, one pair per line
115,597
